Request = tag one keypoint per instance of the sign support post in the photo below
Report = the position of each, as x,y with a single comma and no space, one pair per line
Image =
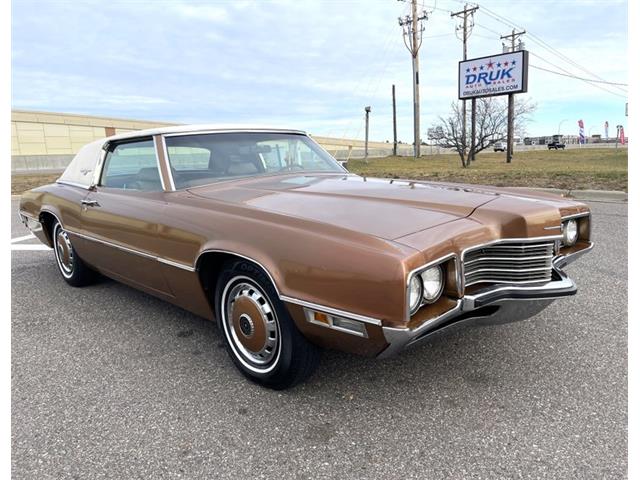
510,113
510,129
473,129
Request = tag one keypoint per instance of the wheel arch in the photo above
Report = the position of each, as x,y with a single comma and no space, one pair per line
48,219
210,262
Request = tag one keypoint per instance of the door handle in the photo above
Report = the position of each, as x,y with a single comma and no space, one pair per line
90,203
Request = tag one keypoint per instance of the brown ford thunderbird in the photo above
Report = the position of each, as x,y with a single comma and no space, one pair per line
265,232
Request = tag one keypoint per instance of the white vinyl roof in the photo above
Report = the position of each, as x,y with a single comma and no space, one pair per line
80,171
200,128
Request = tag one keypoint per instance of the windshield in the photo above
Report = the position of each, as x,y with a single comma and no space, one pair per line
206,158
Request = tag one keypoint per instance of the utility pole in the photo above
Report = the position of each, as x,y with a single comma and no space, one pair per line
465,14
367,110
510,111
412,36
395,129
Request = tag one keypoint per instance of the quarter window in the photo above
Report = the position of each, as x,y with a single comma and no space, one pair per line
132,166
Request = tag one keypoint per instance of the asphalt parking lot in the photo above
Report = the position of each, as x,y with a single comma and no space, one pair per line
108,382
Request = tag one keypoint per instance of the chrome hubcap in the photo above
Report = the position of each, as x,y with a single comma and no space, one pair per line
64,252
251,324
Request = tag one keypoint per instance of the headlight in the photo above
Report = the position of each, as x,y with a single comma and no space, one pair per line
415,294
432,283
569,232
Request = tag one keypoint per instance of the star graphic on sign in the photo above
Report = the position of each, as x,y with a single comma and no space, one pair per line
468,70
474,69
513,63
490,65
498,64
481,67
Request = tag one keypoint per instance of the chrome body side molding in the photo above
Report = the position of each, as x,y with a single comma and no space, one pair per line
331,311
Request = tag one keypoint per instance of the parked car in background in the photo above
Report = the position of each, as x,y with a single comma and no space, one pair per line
555,145
500,147
265,233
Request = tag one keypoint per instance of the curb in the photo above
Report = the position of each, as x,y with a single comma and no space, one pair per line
589,195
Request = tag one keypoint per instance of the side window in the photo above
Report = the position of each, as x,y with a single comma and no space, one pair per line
132,166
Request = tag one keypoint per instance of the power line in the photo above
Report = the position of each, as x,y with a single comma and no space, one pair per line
589,81
577,78
543,44
566,73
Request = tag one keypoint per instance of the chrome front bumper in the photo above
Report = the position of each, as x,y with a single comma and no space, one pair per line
492,305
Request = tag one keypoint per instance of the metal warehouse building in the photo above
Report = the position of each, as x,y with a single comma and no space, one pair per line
48,141
42,141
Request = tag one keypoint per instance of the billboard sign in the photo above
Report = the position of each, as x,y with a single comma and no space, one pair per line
493,75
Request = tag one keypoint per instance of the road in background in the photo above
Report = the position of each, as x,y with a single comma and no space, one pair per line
108,382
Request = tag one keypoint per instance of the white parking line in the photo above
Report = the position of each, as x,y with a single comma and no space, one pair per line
21,239
31,247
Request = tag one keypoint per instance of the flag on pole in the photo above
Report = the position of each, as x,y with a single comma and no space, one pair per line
606,130
621,135
581,131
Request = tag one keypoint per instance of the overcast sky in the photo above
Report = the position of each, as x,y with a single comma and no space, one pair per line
310,64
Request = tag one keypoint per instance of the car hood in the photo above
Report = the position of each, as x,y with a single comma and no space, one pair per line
387,209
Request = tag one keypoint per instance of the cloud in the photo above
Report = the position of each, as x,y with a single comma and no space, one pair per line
210,13
314,65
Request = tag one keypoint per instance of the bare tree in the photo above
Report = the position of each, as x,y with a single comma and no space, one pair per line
491,126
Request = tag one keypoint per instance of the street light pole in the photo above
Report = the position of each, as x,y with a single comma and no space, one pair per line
367,111
560,124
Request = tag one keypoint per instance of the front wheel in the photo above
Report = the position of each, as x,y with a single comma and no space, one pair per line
74,271
259,333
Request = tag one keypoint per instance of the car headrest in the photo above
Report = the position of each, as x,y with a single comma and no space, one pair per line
242,168
149,174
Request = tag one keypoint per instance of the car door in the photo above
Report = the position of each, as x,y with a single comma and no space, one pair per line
122,213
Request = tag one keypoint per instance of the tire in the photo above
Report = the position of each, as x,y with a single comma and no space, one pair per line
74,271
260,335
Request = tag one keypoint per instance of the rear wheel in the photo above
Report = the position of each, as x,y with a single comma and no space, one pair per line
74,271
259,333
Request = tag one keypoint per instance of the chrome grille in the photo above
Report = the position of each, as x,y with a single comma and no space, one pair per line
509,262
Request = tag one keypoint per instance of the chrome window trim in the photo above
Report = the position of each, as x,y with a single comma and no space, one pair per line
165,151
327,152
235,130
208,132
97,173
155,150
74,184
103,158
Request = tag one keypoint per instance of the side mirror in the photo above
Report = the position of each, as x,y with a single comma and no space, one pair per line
344,164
